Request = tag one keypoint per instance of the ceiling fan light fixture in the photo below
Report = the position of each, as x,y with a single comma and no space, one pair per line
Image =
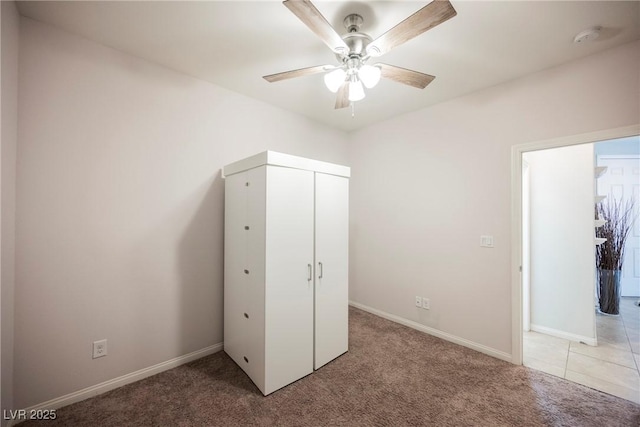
355,48
356,91
369,75
335,79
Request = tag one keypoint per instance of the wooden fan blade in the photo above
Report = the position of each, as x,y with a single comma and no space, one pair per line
312,18
404,76
433,14
342,100
297,73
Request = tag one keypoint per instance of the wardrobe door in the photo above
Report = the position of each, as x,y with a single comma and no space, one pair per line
235,281
288,276
254,303
332,267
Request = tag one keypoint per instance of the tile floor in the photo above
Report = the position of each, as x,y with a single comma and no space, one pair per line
612,367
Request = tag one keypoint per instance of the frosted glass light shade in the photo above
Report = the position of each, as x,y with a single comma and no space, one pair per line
369,75
334,79
356,91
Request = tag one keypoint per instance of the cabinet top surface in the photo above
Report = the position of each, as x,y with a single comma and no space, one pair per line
274,158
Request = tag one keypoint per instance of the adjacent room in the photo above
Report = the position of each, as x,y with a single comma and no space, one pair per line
575,199
315,212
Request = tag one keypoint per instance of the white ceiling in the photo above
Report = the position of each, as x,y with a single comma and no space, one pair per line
234,43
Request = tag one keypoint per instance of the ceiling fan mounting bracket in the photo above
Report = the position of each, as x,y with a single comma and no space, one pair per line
353,22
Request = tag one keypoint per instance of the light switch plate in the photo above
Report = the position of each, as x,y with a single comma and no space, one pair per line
486,241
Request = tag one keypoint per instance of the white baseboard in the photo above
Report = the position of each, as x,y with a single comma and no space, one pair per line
436,333
109,385
565,335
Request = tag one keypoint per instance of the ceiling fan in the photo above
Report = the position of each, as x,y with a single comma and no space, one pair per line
354,49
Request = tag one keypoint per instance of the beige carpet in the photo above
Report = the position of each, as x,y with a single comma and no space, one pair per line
392,376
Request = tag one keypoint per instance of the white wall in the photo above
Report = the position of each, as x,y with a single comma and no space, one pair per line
562,242
119,201
426,185
9,138
120,207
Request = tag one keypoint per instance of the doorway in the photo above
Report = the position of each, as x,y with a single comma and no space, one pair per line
519,256
560,225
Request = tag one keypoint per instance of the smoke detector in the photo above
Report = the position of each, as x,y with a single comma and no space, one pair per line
587,35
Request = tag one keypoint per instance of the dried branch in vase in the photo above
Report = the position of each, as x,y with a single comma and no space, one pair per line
619,219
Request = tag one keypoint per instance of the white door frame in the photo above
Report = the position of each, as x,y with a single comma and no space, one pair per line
516,216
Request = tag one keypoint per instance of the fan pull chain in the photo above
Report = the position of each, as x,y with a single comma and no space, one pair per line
353,110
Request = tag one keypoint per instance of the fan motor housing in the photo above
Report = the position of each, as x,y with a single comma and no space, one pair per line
354,39
357,43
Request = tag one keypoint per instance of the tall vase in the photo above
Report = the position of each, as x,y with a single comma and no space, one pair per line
609,291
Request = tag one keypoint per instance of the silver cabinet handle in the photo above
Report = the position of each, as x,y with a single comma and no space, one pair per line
310,273
321,270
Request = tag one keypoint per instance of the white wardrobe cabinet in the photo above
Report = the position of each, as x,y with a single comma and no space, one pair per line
286,266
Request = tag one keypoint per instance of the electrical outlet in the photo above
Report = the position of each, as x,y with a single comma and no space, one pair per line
426,304
418,302
99,348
